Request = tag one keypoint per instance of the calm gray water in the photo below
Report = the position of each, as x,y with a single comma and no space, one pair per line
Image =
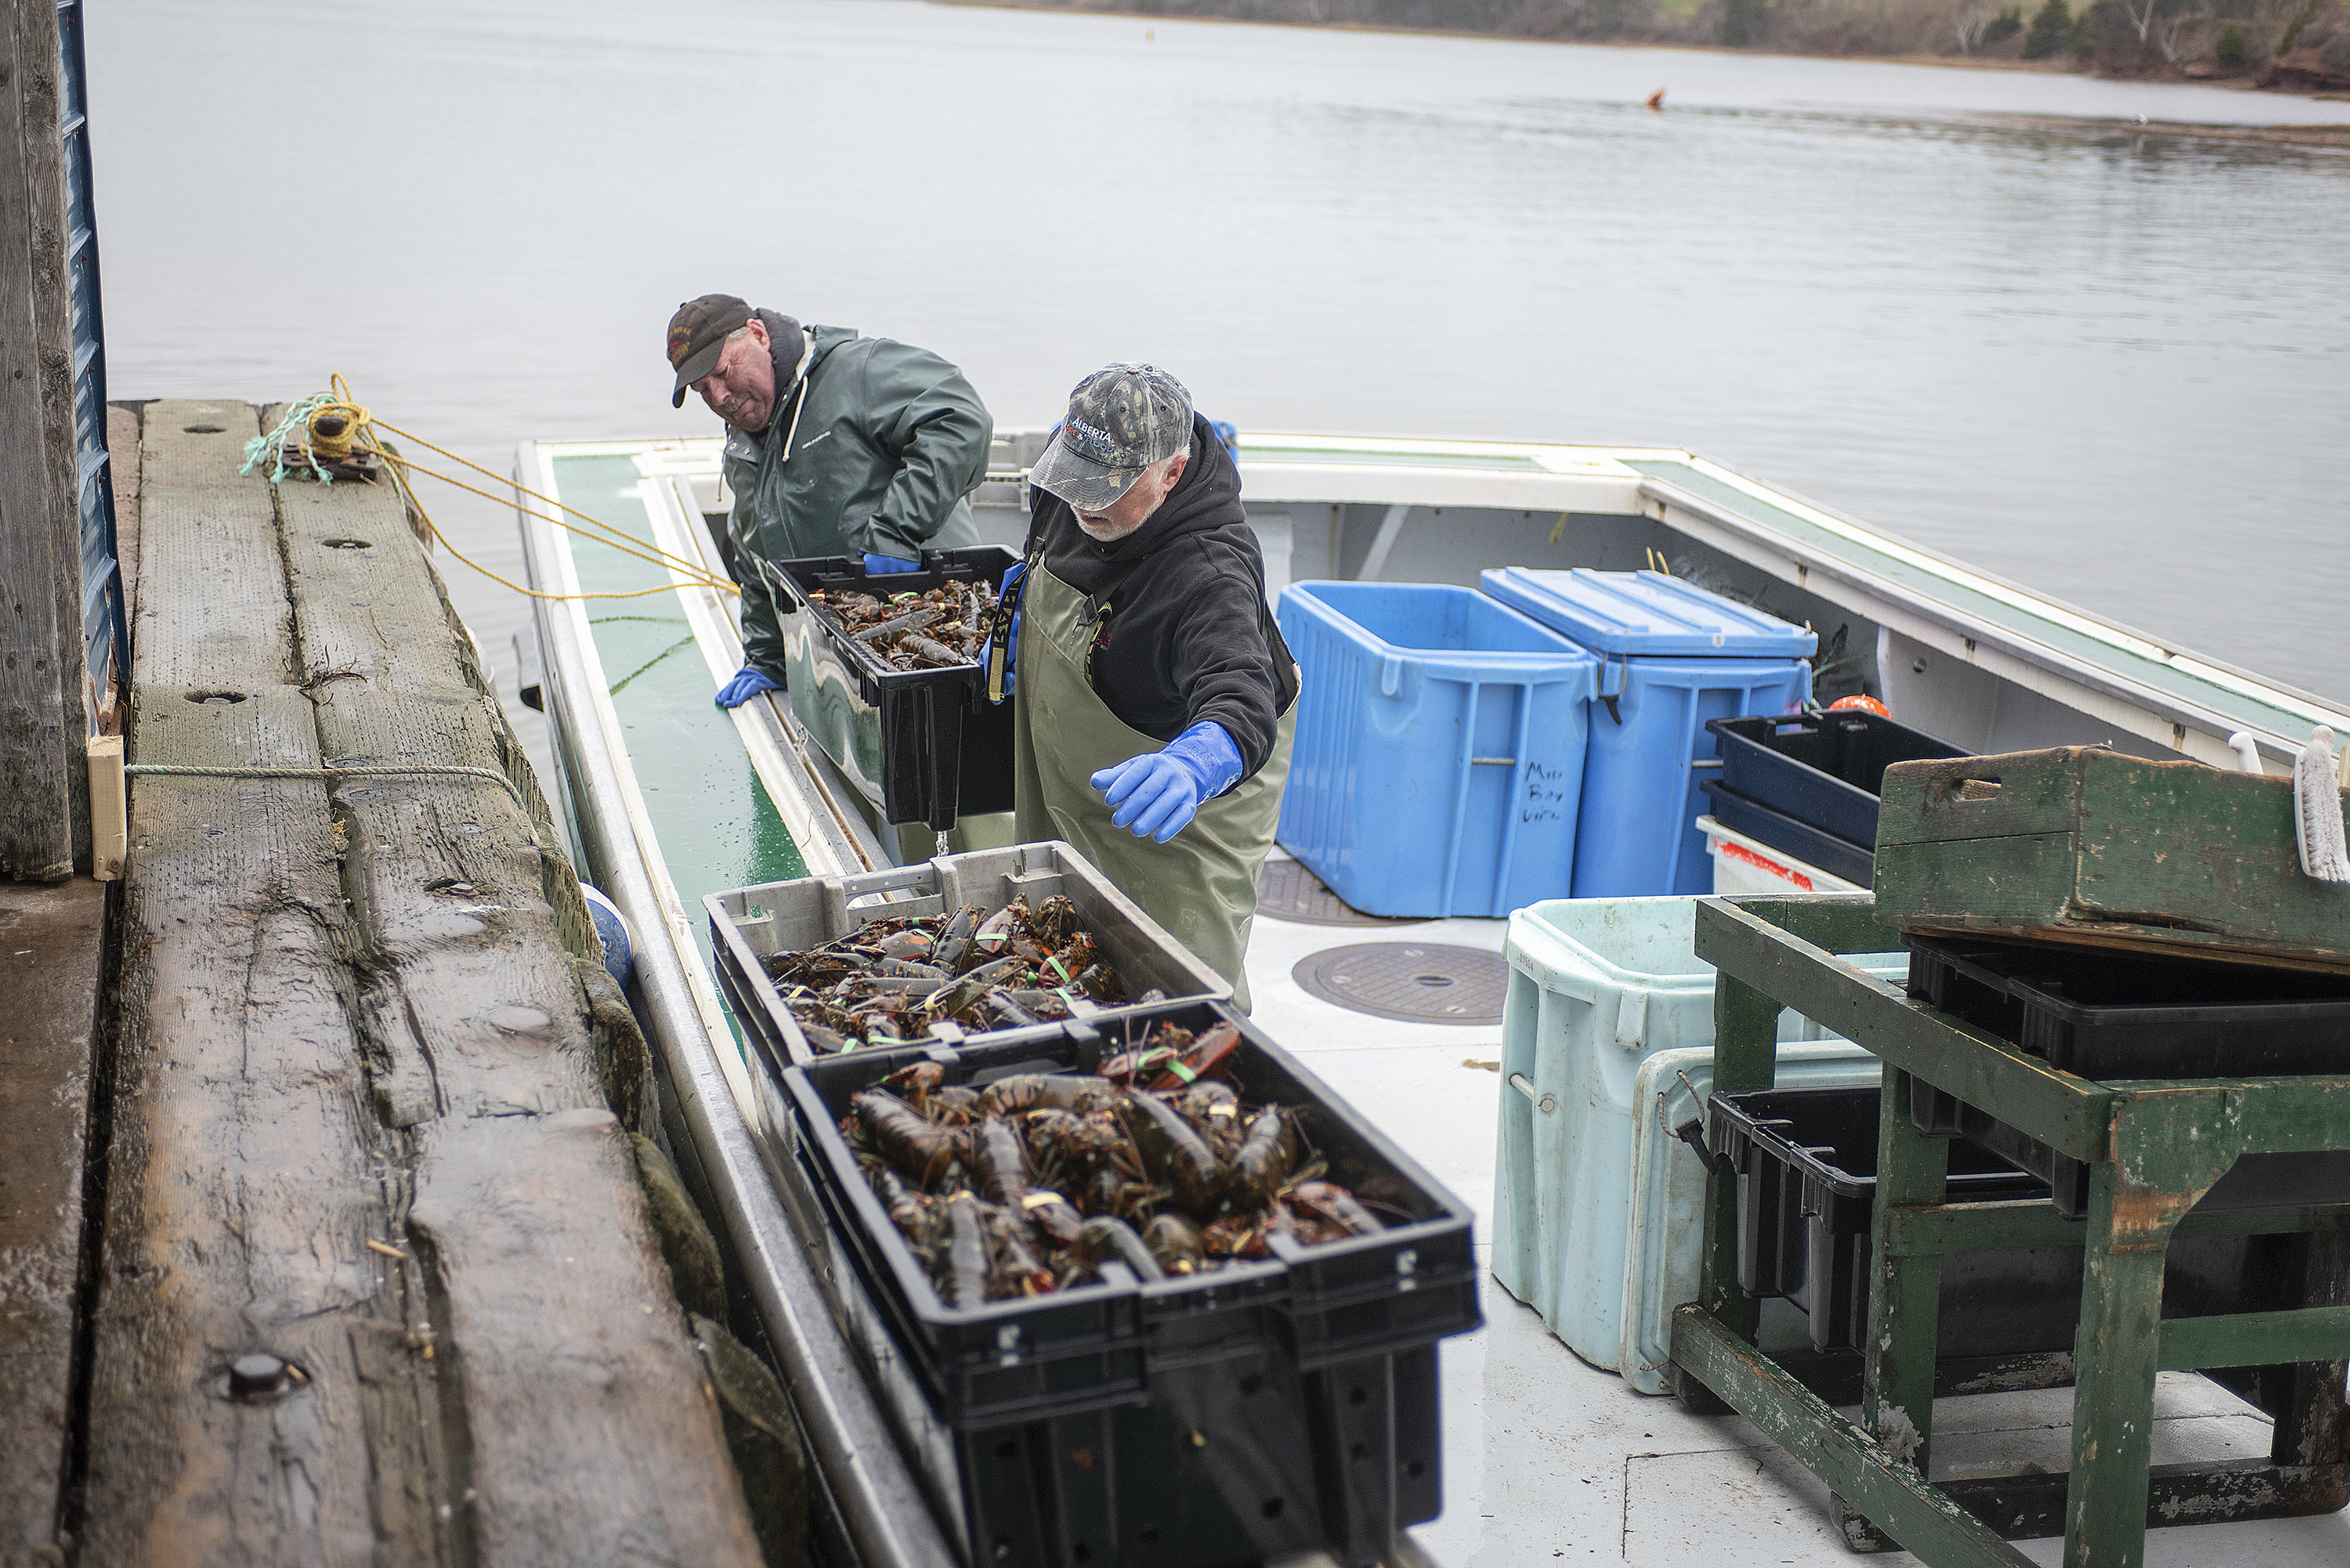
2114,366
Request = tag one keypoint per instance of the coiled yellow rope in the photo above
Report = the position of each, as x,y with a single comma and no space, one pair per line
353,427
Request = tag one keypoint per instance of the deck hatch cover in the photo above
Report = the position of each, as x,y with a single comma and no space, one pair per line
1288,890
1416,982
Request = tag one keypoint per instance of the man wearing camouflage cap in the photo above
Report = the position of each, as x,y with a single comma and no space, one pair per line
835,445
1155,698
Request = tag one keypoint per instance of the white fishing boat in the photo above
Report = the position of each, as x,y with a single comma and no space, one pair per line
1546,1457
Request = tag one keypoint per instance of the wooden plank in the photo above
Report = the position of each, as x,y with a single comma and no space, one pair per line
1905,1300
41,654
2035,1223
122,459
1835,1375
1977,1228
51,943
247,1194
2117,1346
1854,1466
2031,1507
244,1180
587,1420
2255,1338
1832,922
215,611
2271,1115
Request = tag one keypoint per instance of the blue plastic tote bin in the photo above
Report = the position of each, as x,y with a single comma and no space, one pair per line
1440,748
1673,656
1597,987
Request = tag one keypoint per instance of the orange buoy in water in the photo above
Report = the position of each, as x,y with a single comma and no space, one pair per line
1657,100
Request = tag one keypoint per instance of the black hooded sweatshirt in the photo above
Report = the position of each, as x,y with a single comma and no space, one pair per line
1184,634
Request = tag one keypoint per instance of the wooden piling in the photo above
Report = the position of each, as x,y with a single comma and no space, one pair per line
50,948
43,717
372,1091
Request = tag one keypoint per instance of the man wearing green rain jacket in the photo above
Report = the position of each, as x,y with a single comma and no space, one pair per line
835,445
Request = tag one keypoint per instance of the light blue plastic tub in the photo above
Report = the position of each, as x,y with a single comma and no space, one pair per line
1439,752
1596,988
1673,656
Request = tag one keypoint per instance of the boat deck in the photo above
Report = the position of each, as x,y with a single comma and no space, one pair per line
1546,1457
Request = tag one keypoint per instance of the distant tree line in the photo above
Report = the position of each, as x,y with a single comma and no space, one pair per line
2299,45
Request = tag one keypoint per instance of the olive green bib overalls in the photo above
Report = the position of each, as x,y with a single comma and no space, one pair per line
1202,884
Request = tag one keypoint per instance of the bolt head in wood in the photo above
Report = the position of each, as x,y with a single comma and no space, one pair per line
258,1375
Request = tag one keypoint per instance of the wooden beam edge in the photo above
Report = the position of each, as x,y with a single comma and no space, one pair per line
2302,1335
1853,1465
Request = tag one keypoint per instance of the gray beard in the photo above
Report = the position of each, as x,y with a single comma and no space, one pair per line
1107,533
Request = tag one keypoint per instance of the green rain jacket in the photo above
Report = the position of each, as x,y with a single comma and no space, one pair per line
883,449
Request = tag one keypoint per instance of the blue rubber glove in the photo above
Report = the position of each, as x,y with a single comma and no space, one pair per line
1159,793
747,683
884,566
1019,569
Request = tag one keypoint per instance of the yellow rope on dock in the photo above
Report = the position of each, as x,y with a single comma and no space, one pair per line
357,428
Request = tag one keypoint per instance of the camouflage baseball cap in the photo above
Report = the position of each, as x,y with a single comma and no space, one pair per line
1120,421
697,335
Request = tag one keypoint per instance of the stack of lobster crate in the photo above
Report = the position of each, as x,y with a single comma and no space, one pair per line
1135,1285
2114,918
2128,1026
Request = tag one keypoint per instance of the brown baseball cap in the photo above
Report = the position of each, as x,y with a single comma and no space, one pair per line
697,335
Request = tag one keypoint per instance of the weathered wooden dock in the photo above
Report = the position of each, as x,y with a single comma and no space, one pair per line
330,1231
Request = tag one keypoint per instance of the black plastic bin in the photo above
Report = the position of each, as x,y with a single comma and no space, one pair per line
925,745
1806,1167
1856,863
1825,771
2111,1016
1273,1406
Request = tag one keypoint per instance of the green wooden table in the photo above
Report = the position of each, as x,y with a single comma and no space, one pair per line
2153,1147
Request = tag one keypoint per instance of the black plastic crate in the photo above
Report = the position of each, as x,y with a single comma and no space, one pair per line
1245,1460
1806,1167
925,745
1824,770
2108,1015
1838,856
1271,1407
748,924
1412,1283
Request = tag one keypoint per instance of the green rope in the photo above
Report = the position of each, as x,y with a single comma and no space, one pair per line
370,770
273,445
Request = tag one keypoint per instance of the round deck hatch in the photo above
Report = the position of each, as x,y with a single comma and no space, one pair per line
1287,890
1416,982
